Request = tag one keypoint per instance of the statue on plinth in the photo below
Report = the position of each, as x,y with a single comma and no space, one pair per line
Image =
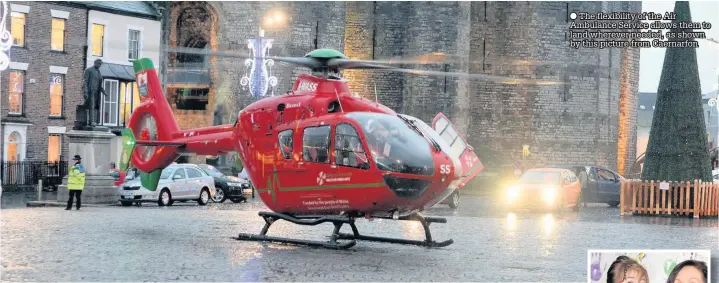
87,112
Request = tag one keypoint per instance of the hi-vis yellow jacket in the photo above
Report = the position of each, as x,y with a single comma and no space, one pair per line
76,178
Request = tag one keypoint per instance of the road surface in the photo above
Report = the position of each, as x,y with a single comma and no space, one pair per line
187,242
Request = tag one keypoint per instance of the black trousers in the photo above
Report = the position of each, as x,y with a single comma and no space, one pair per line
76,194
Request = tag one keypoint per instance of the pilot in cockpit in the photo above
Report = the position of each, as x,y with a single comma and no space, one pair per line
378,138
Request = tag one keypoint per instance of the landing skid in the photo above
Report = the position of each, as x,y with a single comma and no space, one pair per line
339,221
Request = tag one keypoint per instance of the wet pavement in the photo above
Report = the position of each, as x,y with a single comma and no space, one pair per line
187,242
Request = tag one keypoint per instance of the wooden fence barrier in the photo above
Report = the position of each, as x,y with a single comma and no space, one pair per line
675,198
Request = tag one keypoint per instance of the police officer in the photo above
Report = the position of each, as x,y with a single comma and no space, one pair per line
75,182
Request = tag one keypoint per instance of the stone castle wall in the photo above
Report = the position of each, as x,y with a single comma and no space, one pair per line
590,120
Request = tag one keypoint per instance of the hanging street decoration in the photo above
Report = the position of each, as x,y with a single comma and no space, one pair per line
5,39
260,77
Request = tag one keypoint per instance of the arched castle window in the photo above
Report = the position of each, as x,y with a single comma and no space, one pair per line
188,83
197,42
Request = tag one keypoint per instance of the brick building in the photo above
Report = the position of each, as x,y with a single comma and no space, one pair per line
44,81
592,119
54,43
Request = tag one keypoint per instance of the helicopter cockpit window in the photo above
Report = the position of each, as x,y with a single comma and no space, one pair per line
316,144
348,148
285,139
394,145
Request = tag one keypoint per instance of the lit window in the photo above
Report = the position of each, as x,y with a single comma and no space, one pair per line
133,45
98,39
17,28
56,91
135,97
110,103
126,101
58,34
642,107
54,148
16,94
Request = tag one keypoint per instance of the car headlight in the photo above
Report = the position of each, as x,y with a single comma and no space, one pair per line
234,184
549,195
512,193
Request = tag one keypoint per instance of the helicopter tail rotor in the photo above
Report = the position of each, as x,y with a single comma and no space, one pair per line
152,122
154,140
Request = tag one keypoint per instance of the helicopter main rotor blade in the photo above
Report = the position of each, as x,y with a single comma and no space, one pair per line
499,79
311,63
435,58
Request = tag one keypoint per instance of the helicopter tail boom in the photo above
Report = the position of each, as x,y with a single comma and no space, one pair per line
159,139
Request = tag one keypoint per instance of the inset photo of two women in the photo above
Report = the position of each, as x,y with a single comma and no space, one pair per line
648,266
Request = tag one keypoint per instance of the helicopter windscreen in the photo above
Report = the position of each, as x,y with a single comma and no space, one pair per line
394,146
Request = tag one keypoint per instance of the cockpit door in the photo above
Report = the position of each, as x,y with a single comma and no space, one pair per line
471,165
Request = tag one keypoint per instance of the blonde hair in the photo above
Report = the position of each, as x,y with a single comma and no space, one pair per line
617,272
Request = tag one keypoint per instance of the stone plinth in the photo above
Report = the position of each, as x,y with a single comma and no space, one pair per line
94,148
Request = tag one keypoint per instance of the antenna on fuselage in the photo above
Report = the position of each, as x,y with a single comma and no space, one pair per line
338,101
375,93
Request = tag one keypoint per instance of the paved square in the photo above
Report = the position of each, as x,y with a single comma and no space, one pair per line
187,242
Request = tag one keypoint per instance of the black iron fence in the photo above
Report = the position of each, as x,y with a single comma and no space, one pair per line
27,174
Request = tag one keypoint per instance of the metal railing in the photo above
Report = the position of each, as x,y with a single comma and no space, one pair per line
23,174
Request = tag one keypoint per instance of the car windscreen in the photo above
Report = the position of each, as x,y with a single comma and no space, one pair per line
166,172
539,178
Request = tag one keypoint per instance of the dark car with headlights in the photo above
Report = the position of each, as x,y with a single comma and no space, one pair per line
228,187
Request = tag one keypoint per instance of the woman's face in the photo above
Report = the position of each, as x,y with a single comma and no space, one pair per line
634,276
689,274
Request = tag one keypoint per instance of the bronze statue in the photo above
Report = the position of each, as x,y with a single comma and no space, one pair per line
92,88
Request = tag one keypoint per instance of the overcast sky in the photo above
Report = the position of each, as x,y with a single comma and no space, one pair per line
652,59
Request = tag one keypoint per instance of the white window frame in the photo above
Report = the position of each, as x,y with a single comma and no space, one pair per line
108,92
139,43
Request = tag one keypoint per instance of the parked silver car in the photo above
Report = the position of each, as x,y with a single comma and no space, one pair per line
178,182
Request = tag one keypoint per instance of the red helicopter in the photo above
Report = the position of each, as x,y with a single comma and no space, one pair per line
318,153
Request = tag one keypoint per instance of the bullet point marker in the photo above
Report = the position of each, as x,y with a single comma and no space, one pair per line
573,16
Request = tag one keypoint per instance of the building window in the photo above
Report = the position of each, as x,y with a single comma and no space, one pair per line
57,88
109,105
58,34
348,148
16,94
98,39
316,144
17,28
190,98
54,148
133,44
285,138
129,100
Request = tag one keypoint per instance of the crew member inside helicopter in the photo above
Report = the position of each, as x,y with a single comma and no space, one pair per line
349,151
380,135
